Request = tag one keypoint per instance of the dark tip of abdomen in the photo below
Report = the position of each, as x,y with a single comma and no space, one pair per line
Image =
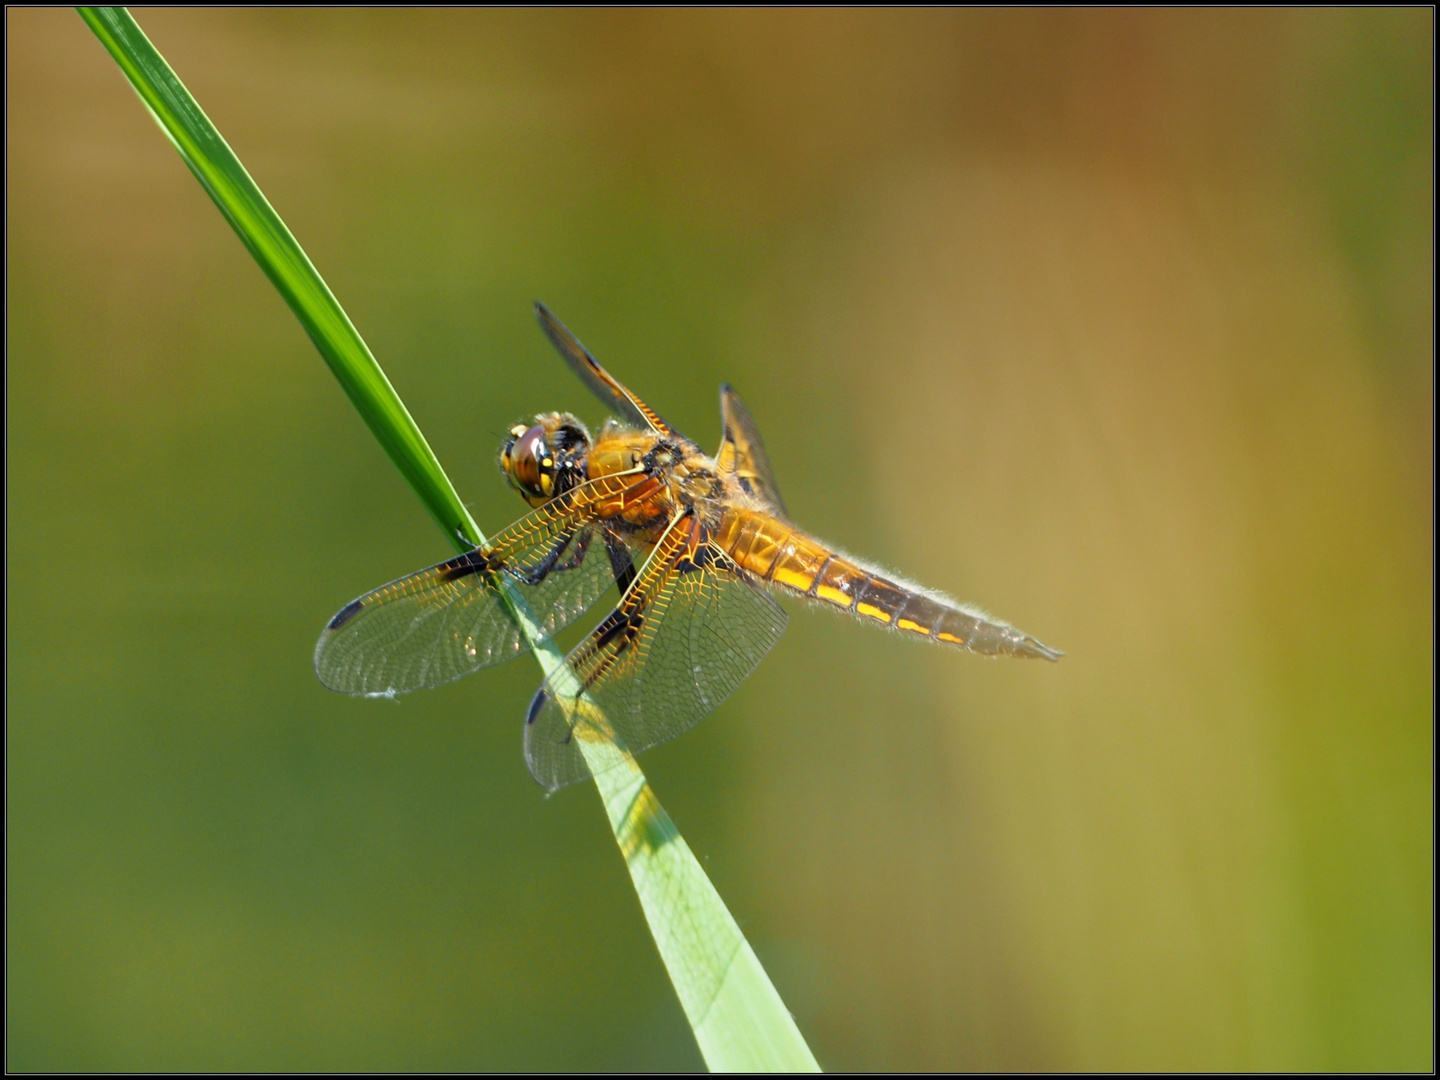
1028,648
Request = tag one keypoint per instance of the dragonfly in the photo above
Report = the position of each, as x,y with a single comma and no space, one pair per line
695,547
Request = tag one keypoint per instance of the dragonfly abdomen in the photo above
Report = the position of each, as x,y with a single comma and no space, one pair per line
780,555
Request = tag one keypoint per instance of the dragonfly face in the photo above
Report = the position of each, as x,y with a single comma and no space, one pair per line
547,459
694,544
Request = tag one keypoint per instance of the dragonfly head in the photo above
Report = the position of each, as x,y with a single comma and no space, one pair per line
547,458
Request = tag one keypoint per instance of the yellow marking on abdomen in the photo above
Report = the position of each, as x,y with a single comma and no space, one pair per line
873,612
836,596
951,638
913,627
796,580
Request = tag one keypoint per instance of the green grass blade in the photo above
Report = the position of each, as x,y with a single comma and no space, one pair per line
738,1018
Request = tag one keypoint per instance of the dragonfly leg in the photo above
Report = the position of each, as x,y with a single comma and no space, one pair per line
621,564
551,562
577,557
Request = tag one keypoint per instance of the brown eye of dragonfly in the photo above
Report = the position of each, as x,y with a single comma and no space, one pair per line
529,462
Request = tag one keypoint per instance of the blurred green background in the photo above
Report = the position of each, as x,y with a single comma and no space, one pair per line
1118,324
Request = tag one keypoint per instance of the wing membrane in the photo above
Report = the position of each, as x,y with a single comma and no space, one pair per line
742,452
689,631
601,383
449,620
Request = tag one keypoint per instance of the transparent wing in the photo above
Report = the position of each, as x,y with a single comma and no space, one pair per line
611,392
742,452
689,631
449,620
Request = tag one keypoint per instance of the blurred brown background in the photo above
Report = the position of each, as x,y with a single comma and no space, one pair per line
1117,323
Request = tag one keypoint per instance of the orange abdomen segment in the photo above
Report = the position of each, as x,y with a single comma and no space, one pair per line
778,554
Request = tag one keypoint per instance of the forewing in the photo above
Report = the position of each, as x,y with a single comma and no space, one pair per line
449,620
602,384
742,452
689,632
439,624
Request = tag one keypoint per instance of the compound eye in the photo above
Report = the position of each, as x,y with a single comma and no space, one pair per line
507,452
529,462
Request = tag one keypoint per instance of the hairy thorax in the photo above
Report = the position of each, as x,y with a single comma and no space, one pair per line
689,477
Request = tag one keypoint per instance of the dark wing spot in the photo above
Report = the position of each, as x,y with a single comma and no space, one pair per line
702,559
348,612
535,706
618,623
464,565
